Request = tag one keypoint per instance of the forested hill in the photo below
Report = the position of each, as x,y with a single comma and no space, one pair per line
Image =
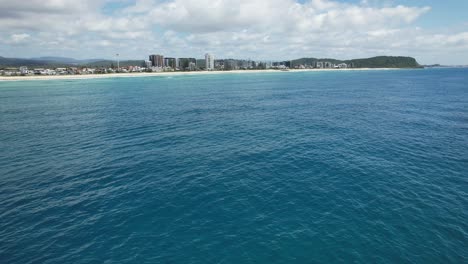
385,62
15,62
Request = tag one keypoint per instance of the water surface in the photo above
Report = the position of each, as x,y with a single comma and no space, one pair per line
309,167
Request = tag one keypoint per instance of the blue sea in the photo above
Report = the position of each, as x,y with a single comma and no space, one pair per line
286,167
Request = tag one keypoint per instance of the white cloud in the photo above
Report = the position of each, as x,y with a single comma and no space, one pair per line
259,29
19,38
316,15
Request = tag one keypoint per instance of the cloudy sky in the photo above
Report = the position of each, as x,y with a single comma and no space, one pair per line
433,31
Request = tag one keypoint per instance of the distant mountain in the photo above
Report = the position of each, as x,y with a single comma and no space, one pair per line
63,62
14,62
56,59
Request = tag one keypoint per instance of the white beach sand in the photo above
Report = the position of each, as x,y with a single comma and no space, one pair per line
148,74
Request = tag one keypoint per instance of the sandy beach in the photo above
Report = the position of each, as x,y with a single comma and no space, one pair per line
149,74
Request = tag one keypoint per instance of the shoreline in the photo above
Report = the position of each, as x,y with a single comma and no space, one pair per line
163,74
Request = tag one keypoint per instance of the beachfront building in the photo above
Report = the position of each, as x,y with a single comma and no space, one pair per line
24,70
230,65
170,62
184,63
157,60
209,62
192,66
148,64
342,66
61,71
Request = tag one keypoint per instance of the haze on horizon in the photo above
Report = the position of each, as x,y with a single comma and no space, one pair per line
431,31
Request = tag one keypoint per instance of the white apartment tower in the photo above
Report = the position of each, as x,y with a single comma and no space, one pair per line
209,62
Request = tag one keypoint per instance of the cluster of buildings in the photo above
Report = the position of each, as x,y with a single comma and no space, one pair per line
25,71
322,65
316,64
160,63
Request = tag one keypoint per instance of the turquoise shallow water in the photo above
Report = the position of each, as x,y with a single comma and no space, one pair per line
312,167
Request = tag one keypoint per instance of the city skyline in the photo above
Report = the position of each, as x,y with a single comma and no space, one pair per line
430,31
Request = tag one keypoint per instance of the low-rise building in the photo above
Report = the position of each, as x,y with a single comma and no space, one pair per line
192,66
24,70
148,64
342,66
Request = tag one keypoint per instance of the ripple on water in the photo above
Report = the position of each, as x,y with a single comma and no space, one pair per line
277,168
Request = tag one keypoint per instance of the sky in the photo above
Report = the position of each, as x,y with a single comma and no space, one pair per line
432,31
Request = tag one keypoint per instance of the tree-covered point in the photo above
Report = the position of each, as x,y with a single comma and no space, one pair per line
384,62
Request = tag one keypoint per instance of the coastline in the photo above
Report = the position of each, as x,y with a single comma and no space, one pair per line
154,74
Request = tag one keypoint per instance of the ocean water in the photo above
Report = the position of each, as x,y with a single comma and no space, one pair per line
308,167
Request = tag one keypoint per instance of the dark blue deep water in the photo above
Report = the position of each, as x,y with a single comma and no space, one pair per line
309,167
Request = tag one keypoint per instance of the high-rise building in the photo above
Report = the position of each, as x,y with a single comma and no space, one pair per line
157,60
209,62
230,64
170,62
184,63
